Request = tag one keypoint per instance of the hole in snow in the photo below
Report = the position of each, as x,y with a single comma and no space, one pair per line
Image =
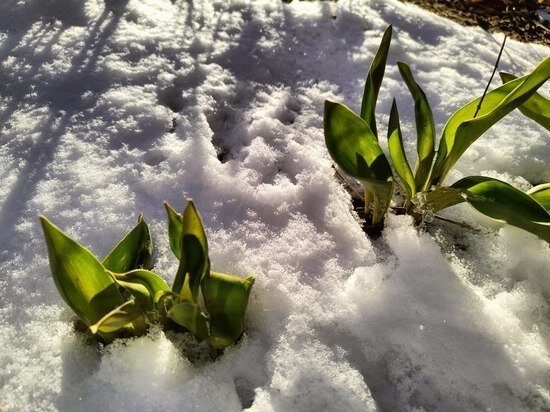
227,125
292,110
245,392
172,98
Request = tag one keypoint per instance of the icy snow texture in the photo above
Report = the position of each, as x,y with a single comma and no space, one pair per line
109,108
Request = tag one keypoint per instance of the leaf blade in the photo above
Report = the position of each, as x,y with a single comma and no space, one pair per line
503,202
462,129
397,153
190,316
226,299
175,224
143,284
537,107
79,276
541,194
194,254
354,148
134,251
129,315
373,81
425,128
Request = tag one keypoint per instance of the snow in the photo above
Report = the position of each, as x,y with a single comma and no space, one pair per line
109,108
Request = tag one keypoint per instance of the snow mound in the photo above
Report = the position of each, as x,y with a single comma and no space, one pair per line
107,108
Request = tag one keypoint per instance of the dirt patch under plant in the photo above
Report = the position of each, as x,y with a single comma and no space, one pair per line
523,20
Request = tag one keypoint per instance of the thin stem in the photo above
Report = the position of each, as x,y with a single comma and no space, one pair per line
491,79
347,182
454,222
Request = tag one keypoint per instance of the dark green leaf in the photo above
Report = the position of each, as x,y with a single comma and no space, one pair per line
536,108
226,299
134,251
354,148
505,203
374,81
397,152
425,128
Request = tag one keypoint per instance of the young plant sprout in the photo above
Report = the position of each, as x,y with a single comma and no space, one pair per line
119,296
353,144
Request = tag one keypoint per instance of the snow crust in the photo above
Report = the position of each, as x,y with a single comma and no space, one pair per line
109,108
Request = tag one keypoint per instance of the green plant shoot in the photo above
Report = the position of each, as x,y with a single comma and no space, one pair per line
225,296
120,297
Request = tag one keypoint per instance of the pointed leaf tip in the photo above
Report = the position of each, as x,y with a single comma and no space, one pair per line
175,223
193,255
425,128
79,276
134,251
373,81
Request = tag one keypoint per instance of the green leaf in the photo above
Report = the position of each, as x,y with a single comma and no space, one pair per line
79,276
463,129
226,299
355,149
425,128
541,194
374,81
505,203
194,255
397,152
144,285
134,251
537,108
175,224
128,316
190,316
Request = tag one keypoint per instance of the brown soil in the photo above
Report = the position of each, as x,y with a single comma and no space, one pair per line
517,19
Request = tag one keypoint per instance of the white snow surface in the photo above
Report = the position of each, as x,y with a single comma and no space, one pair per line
107,108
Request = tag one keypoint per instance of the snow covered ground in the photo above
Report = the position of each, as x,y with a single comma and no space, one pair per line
107,108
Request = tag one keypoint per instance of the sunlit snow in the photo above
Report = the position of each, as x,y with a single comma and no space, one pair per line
107,108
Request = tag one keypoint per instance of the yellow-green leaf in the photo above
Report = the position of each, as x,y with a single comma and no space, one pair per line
143,284
190,316
134,251
128,316
425,128
437,199
537,107
194,254
397,152
463,128
541,194
226,299
79,276
175,224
